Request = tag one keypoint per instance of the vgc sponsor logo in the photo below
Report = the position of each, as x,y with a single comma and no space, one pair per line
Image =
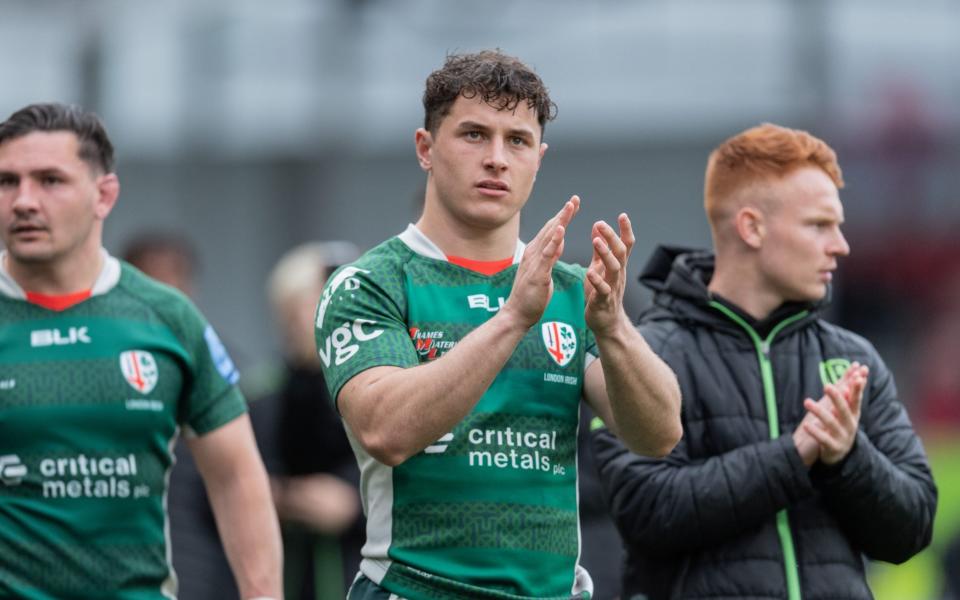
339,345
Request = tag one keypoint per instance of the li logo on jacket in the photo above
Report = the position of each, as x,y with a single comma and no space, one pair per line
832,370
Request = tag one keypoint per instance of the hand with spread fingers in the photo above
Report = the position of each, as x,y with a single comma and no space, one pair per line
606,276
833,421
533,285
629,387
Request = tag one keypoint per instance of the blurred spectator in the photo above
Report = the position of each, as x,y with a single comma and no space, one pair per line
937,375
601,550
198,557
165,256
906,146
305,447
938,407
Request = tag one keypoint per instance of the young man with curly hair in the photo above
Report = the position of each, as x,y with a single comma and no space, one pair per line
458,356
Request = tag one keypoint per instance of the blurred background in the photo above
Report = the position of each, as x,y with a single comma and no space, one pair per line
248,127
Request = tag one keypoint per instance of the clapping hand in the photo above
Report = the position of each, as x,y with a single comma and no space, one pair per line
606,275
834,419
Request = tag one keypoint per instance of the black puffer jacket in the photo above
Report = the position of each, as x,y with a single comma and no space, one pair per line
703,522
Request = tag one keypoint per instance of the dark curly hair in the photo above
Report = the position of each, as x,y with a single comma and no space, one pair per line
95,147
500,80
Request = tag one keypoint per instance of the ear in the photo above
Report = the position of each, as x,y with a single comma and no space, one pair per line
423,140
543,150
108,187
750,226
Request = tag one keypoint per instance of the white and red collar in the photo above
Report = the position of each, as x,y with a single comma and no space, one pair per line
106,280
424,246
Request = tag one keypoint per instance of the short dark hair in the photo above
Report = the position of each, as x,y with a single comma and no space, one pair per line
95,147
153,242
500,80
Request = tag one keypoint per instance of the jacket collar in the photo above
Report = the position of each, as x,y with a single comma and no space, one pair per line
679,277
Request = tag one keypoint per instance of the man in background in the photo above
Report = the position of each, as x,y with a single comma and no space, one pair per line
99,368
167,257
798,459
203,571
312,470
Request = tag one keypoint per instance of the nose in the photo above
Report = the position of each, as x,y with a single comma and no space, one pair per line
24,198
496,158
839,245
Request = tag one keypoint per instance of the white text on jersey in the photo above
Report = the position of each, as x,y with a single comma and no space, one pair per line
338,343
53,337
483,301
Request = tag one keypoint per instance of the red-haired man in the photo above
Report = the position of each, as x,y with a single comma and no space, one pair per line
770,493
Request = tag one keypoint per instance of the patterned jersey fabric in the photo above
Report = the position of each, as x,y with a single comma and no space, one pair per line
490,509
91,399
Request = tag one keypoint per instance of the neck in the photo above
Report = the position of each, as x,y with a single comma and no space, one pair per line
64,276
738,281
456,238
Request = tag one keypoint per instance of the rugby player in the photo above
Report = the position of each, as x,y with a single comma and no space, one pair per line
458,356
100,368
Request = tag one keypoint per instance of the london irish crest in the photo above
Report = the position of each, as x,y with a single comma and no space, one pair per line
139,369
560,340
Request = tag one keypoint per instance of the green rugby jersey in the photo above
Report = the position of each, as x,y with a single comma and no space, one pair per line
91,399
491,509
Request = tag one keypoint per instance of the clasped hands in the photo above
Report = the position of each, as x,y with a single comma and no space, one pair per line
829,429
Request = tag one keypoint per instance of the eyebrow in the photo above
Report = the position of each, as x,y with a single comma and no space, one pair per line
825,216
526,133
49,171
38,170
471,125
468,125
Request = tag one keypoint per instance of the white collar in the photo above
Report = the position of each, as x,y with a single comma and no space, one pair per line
424,246
106,280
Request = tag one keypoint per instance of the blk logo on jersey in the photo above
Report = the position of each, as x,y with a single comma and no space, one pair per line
55,337
485,302
140,370
560,340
